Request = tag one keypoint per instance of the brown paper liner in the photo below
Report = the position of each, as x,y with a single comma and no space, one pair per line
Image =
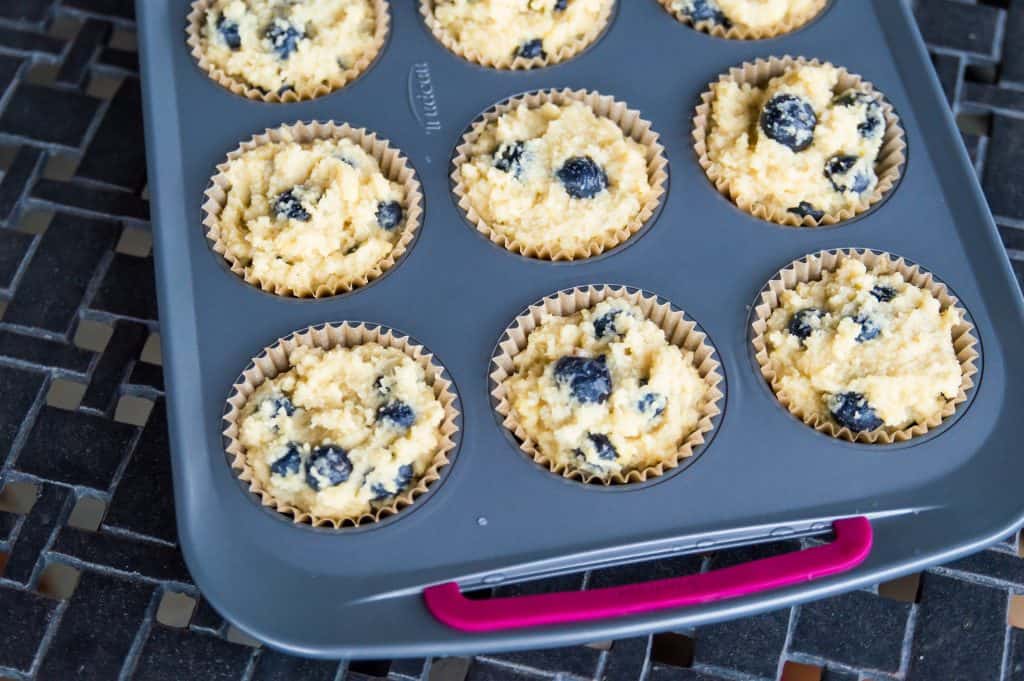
736,32
515,62
810,268
888,167
274,360
195,20
392,163
680,332
633,126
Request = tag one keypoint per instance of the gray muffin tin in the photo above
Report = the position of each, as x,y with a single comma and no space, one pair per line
496,517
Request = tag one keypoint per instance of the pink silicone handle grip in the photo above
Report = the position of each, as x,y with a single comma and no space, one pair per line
852,545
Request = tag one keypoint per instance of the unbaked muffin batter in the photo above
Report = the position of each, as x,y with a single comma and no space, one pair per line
797,145
761,16
499,30
277,45
864,349
554,176
603,391
305,215
343,431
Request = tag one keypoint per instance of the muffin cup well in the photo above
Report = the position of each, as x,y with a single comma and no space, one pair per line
735,32
274,360
197,16
680,332
811,268
888,167
629,121
392,163
514,62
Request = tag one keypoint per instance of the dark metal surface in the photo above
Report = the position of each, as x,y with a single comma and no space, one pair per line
87,493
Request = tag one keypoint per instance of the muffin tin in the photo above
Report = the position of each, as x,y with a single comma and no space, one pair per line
392,588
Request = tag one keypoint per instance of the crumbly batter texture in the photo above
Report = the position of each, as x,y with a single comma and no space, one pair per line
766,17
797,145
500,30
343,431
556,176
602,391
864,349
277,45
306,215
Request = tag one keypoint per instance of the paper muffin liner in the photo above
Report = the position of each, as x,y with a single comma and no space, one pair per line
633,126
736,32
274,360
888,167
811,268
197,16
514,62
679,330
394,166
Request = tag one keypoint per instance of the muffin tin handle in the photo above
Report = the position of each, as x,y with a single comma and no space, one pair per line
852,544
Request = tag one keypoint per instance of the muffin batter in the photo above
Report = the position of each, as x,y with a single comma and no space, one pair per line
343,431
866,350
765,17
556,177
304,215
500,30
602,391
796,145
277,45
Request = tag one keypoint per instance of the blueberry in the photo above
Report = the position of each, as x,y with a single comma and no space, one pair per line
380,491
605,324
560,5
801,324
582,177
603,446
883,293
398,413
873,120
379,386
869,328
229,32
844,175
329,463
287,205
850,409
278,405
790,121
289,462
389,214
706,10
652,404
287,87
532,49
404,476
284,38
509,157
588,379
805,209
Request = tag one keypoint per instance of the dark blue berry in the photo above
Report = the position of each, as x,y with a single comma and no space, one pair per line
843,175
850,409
532,49
404,476
582,177
790,121
801,325
560,5
509,157
652,404
380,491
605,324
806,209
873,120
284,38
379,386
279,405
287,205
603,447
329,463
389,214
229,32
398,413
289,462
883,293
588,379
707,10
869,328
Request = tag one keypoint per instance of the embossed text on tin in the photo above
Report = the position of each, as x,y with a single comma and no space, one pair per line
422,98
